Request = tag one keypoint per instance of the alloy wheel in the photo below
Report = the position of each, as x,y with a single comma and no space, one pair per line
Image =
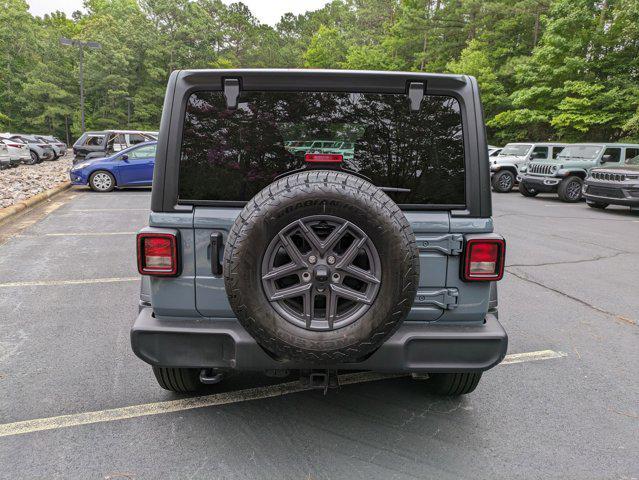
321,272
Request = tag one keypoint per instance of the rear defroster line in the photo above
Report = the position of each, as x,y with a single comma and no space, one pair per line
225,398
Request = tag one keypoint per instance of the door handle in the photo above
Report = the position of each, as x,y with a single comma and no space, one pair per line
216,247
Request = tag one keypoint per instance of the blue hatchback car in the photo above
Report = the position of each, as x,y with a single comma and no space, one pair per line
132,167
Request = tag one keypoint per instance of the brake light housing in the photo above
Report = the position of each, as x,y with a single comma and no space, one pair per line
484,259
324,158
158,254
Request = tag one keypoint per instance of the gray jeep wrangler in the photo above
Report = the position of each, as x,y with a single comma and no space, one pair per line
261,257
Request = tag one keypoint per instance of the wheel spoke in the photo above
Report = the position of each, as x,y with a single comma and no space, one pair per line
334,237
282,271
290,292
292,251
350,294
309,307
323,246
360,274
350,253
331,308
310,236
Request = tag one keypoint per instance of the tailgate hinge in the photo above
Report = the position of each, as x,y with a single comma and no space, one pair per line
231,92
449,244
415,95
444,298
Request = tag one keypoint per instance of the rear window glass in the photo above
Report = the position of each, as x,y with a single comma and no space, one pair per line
230,155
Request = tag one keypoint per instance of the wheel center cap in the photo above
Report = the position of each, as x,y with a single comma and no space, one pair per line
321,273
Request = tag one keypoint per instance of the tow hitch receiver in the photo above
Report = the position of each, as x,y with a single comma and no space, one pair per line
319,379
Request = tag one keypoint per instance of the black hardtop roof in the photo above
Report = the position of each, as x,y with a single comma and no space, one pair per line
327,80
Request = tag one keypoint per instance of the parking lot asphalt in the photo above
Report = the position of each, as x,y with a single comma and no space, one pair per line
68,297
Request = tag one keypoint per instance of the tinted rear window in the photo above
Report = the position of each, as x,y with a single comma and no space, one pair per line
230,155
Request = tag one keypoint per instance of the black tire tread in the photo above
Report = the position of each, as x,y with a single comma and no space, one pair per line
525,191
285,188
453,384
178,380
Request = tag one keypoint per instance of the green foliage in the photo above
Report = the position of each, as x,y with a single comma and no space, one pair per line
547,69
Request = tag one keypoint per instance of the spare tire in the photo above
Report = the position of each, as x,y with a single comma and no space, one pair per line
321,266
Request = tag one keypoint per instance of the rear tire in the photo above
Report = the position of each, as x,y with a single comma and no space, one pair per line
527,191
596,205
570,189
453,384
35,159
503,181
178,380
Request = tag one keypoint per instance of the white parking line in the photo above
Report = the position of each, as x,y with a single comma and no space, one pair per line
41,283
156,408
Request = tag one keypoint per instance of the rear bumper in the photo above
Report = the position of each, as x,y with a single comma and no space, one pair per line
224,344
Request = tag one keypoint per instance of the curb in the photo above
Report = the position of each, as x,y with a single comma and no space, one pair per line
9,212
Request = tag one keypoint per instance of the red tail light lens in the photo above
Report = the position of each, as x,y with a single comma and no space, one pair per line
14,145
484,259
324,158
157,254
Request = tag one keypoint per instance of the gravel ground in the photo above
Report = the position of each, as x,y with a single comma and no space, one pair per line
17,184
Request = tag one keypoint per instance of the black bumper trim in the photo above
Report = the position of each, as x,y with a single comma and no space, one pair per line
537,183
224,344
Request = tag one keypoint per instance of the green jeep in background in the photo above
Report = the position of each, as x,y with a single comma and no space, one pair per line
566,173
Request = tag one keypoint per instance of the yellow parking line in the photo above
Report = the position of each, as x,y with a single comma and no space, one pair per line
108,210
41,283
75,234
86,234
532,356
156,408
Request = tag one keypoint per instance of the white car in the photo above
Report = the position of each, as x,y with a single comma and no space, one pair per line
17,150
5,158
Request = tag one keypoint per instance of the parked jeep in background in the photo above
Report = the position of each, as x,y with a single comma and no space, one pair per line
614,185
260,259
107,142
506,166
566,173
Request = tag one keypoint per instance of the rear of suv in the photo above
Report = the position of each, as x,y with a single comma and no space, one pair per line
372,250
566,173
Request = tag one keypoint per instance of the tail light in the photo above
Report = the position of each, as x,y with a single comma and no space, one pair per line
157,254
324,158
484,259
15,145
